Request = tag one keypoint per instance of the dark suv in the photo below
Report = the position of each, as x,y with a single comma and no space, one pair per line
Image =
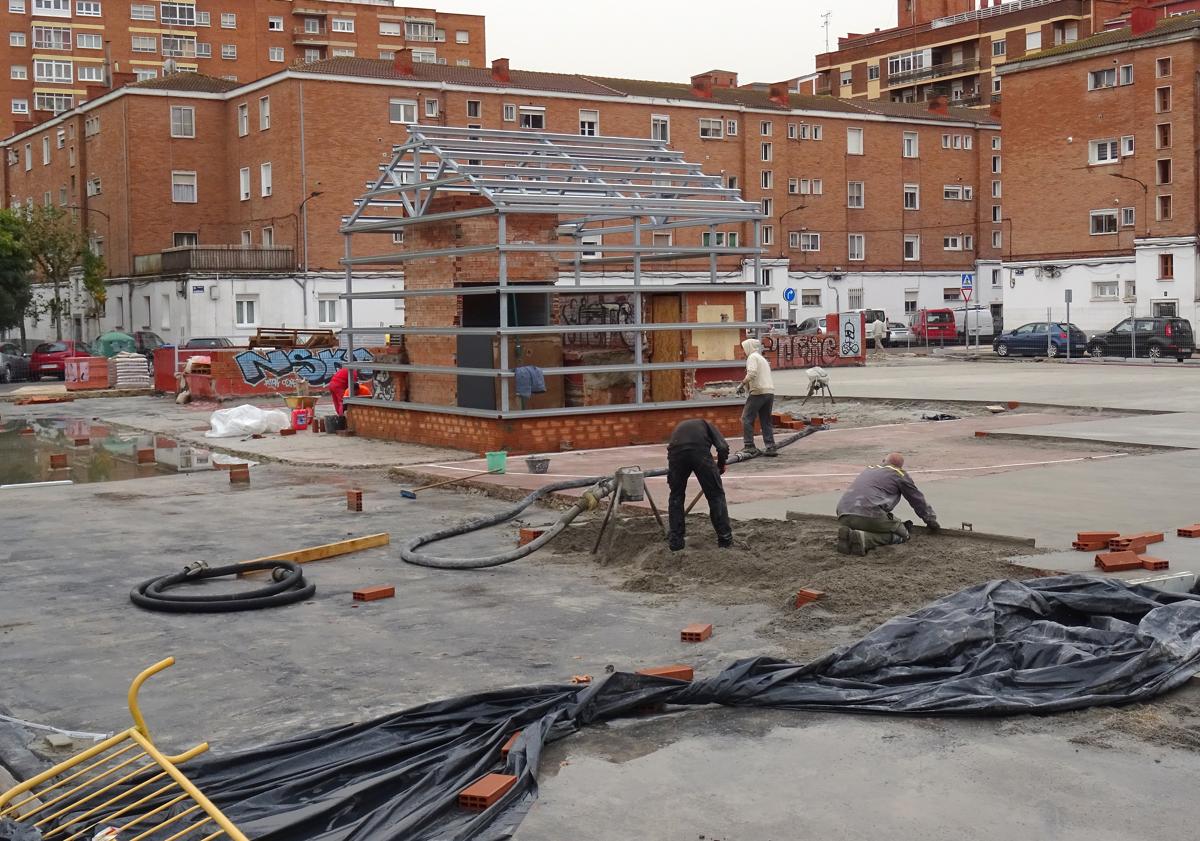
1141,337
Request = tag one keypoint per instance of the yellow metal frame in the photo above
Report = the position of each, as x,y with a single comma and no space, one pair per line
110,783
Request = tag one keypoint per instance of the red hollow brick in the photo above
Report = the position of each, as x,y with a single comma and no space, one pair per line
354,500
807,595
1118,561
677,672
696,633
370,594
1149,562
485,791
1189,531
508,746
1105,536
530,535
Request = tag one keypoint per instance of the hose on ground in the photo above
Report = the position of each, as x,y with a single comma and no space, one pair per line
288,586
599,487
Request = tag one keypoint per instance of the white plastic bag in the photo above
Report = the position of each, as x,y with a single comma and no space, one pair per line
246,420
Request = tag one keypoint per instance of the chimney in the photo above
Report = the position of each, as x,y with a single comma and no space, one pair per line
500,71
1142,19
778,93
939,105
702,85
120,80
402,63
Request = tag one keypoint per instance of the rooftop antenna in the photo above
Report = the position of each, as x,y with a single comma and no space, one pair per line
825,23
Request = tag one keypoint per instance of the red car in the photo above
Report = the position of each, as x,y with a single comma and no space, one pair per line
48,358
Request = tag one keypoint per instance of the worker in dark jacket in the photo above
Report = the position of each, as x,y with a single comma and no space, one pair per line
865,518
690,452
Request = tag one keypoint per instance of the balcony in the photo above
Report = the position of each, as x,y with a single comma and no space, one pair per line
936,71
216,258
310,35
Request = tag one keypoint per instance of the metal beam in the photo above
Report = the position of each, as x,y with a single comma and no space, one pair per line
567,289
544,329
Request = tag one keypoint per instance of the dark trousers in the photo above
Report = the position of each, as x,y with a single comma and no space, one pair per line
758,406
680,465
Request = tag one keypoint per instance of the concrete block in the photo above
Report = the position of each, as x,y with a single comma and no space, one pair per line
677,672
696,633
485,791
59,741
370,594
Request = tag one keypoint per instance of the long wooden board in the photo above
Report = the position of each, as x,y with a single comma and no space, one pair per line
326,550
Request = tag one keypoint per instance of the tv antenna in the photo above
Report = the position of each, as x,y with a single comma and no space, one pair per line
825,23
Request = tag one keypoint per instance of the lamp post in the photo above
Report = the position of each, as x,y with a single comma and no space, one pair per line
304,224
1145,195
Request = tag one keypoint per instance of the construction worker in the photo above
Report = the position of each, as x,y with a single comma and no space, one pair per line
879,334
689,452
865,518
760,399
339,384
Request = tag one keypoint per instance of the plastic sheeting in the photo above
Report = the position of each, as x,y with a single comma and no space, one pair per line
246,420
1000,648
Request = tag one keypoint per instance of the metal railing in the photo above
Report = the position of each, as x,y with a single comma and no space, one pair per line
217,258
935,71
991,11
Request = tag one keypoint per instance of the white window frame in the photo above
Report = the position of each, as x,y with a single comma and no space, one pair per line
408,111
18,71
327,310
913,254
228,20
810,241
660,127
16,39
999,47
767,179
712,128
177,14
1100,79
20,106
856,194
1107,213
911,145
244,305
274,23
244,183
731,128
1101,287
243,119
474,109
589,122
183,121
766,152
264,113
855,141
16,7
532,117
1128,217
1128,144
89,41
913,190
1104,152
462,36
229,52
143,11
143,43
179,178
267,236
997,239
856,247
432,107
341,24
275,54
509,113
265,179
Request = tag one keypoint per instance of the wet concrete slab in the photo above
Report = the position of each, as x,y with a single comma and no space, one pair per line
1175,429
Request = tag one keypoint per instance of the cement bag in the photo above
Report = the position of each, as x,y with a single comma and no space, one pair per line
246,420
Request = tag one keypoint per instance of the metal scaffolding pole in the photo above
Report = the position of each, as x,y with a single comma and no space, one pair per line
502,236
758,274
352,390
638,336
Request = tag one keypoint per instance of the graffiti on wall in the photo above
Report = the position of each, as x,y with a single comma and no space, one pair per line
585,310
383,386
803,351
275,368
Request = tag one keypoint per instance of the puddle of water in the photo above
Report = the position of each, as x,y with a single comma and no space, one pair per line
94,452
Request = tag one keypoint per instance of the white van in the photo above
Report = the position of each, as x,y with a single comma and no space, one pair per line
969,320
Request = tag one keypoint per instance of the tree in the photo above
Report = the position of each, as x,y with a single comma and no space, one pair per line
15,266
56,245
94,287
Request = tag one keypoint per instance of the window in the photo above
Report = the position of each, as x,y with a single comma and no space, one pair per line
28,156
768,235
18,71
952,243
765,128
952,192
912,247
589,122
420,30
91,126
847,77
857,247
1162,67
474,108
402,111
996,143
1033,41
997,239
854,298
274,53
182,240
872,72
996,189
88,41
229,51
1163,171
996,84
999,47
1128,217
731,128
51,38
854,141
711,128
721,240
183,187
141,11
16,7
1163,135
1162,99
268,236
20,106
245,311
1104,222
425,56
768,207
996,213
228,20
183,121
1103,152
274,24
661,240
766,152
342,24
1165,208
967,141
45,151
1106,289
818,132
244,183
16,39
1098,79
53,102
203,18
532,118
264,113
1127,145
60,72
995,164
510,113
243,119
327,311
461,62
1166,265
908,62
660,128
1126,74
856,192
910,144
912,197
732,182
247,239
951,294
389,28
810,242
462,36
264,179
767,179
203,50
93,186
179,14
793,186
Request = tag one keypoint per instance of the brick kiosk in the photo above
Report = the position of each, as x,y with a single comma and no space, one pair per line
502,235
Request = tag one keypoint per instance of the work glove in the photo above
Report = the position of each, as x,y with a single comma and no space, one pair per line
741,390
933,526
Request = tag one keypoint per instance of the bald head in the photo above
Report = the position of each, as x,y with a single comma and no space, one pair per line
894,460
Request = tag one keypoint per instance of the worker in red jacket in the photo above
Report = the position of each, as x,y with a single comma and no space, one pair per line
339,383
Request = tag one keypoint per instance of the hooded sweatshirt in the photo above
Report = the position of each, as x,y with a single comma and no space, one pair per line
758,372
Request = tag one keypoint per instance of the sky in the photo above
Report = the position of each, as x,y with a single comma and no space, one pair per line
670,40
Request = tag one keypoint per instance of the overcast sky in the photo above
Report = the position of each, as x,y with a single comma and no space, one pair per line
669,40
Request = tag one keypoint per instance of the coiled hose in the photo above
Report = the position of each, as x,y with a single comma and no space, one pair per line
288,586
598,488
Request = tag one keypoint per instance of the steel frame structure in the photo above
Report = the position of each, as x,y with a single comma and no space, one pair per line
597,186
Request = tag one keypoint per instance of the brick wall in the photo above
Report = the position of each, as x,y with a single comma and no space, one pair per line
534,435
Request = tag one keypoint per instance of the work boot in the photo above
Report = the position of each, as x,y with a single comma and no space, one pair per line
856,543
843,540
675,545
725,542
771,451
750,450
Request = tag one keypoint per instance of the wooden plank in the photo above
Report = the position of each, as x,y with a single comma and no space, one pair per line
327,550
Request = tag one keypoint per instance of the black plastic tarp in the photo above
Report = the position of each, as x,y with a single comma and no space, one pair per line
1000,648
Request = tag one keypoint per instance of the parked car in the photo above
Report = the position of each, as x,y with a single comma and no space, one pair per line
1041,338
48,357
897,334
811,325
14,363
871,316
1153,337
933,325
974,321
209,342
776,326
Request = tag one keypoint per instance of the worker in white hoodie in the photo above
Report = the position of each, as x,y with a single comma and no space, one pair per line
760,391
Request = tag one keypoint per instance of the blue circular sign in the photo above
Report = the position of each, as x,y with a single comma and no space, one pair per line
789,294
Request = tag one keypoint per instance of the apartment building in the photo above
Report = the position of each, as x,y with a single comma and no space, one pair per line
953,48
1103,175
878,204
57,49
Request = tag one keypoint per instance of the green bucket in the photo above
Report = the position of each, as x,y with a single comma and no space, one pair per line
497,462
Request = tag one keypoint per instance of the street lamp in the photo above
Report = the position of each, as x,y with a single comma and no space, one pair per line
304,223
1145,195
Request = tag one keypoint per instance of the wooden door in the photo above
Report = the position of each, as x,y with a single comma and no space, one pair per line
666,346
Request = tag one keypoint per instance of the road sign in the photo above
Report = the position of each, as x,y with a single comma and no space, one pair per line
966,294
968,280
789,294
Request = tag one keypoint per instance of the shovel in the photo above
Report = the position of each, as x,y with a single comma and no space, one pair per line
412,494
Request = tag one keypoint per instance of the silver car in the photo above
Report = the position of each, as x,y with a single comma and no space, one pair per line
898,334
14,365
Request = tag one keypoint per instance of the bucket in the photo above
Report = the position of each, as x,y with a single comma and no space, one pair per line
497,462
537,464
301,419
333,423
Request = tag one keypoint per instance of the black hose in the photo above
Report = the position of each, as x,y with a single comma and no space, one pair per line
288,587
601,486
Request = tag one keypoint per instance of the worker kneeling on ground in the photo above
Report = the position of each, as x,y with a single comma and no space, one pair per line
688,453
865,518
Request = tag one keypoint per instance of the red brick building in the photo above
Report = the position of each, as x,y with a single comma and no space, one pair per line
57,49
